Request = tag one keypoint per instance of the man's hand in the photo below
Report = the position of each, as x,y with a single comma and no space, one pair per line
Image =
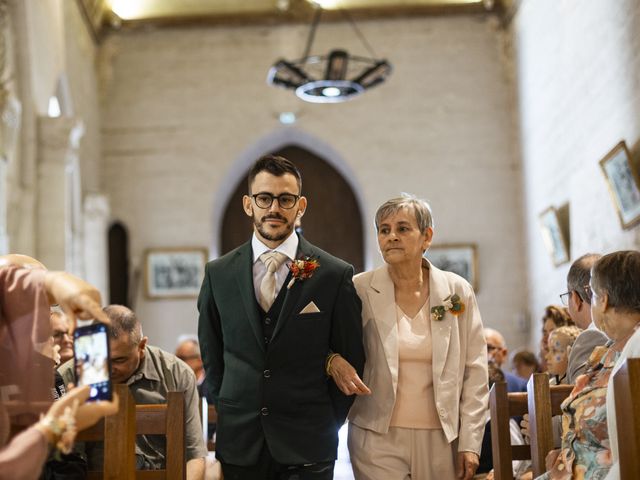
467,465
346,377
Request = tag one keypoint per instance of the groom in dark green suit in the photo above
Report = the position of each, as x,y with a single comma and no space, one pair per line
272,312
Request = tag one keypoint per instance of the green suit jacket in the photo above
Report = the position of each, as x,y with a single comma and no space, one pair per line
278,393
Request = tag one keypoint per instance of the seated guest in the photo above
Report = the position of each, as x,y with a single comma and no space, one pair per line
554,317
150,374
61,333
497,353
579,300
616,307
560,342
525,364
188,350
486,455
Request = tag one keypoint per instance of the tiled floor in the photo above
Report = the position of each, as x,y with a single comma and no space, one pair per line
343,470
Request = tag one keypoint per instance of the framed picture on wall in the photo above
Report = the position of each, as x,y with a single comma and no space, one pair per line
174,272
624,184
553,236
460,258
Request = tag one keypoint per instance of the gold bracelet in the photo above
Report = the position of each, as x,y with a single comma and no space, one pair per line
329,360
59,431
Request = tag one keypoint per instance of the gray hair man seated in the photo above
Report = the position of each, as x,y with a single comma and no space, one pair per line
150,374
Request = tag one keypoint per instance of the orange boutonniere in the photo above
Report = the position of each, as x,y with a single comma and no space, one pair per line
302,268
451,304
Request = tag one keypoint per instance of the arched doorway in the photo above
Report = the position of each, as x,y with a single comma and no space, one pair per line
333,220
119,265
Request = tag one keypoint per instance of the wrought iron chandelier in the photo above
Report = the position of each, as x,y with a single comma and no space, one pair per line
331,78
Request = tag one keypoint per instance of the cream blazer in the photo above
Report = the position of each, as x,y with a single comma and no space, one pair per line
460,378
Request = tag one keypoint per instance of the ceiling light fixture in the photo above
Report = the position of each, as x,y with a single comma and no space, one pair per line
332,78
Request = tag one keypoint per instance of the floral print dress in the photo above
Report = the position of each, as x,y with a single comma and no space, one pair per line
585,451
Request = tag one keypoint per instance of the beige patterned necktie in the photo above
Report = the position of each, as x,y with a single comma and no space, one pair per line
271,260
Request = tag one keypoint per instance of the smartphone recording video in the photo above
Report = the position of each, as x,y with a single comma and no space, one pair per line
91,363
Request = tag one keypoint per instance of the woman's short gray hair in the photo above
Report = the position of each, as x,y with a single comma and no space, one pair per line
420,207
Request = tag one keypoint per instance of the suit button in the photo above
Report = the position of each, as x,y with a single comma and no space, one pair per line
441,412
266,373
267,321
266,340
264,411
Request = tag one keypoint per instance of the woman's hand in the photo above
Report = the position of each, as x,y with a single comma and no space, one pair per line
467,465
346,377
89,413
77,298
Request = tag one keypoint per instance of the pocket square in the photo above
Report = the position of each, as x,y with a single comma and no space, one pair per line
310,308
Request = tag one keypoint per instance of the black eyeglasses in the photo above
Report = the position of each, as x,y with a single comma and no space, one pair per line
588,293
285,200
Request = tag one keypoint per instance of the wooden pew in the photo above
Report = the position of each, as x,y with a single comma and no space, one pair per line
626,384
119,432
503,406
119,435
543,403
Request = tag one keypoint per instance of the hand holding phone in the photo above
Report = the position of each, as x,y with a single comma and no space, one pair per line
91,360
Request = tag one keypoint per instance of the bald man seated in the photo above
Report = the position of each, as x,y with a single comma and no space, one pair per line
497,353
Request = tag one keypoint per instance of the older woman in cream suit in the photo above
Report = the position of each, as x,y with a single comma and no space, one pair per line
426,360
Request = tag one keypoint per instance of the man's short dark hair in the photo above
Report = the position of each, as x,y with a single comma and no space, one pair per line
618,275
275,165
123,322
526,357
580,274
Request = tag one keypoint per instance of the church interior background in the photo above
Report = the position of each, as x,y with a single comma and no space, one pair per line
127,130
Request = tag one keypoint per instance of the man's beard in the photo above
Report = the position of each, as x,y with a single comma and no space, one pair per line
259,224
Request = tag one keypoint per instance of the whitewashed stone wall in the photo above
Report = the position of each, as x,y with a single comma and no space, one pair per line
579,92
182,109
54,55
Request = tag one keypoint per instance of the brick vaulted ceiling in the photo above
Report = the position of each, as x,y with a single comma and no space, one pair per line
105,15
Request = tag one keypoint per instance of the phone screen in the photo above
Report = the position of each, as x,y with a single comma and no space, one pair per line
92,366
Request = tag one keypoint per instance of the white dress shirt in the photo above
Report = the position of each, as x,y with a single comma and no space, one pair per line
289,248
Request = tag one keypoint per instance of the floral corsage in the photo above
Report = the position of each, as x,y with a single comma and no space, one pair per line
451,304
302,268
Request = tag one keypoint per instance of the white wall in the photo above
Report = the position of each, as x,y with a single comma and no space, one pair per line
183,105
579,92
53,48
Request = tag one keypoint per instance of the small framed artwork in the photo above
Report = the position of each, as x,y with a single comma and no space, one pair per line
174,272
624,184
460,258
553,236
